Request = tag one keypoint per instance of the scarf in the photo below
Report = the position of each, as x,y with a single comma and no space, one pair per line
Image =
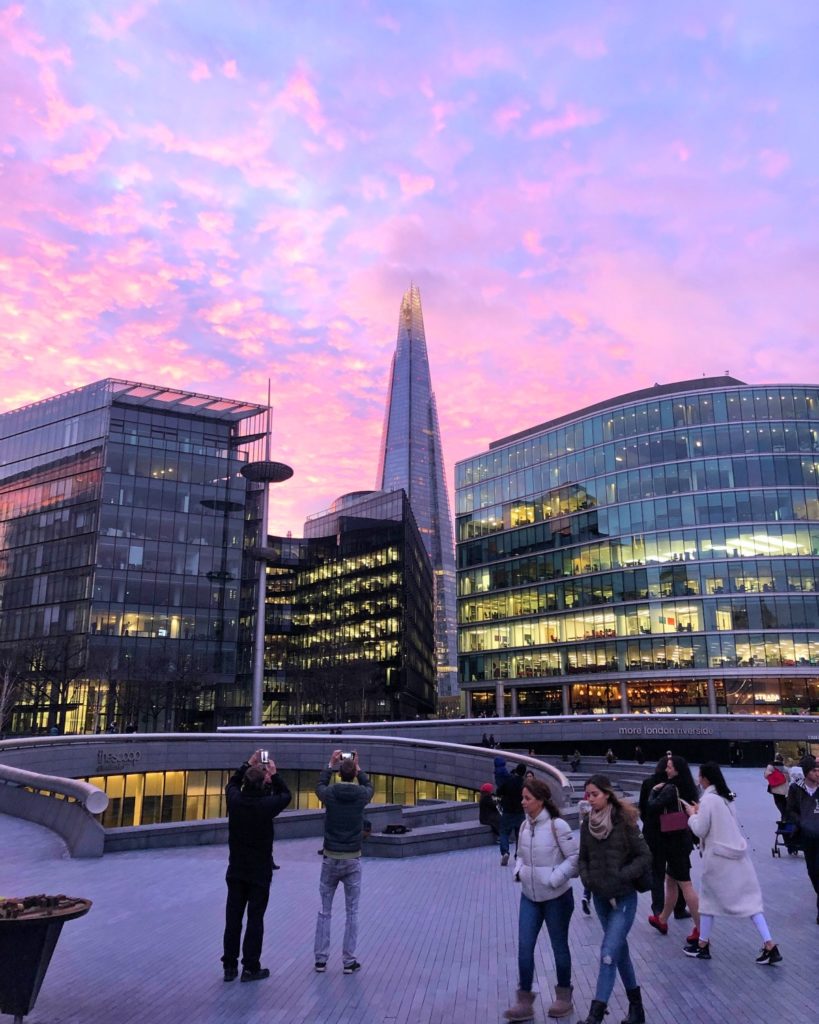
600,824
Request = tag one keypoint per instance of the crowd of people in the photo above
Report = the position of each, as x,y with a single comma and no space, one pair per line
618,851
622,850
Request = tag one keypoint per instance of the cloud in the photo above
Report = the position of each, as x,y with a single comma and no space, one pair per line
210,195
413,185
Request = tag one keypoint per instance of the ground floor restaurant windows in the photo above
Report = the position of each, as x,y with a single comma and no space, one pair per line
750,695
150,798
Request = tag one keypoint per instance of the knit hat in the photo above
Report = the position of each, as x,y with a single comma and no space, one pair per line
487,787
500,762
808,763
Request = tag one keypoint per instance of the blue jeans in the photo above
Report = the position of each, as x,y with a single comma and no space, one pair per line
556,914
614,955
333,871
509,825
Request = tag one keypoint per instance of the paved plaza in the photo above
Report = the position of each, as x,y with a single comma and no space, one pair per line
437,944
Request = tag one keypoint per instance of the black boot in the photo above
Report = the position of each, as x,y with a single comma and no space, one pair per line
597,1011
636,1013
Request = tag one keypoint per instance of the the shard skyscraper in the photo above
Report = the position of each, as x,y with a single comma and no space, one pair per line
411,458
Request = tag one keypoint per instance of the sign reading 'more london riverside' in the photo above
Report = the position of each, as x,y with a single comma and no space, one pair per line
666,730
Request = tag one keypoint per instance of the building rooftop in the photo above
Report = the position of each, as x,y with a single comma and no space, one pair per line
437,939
657,391
152,396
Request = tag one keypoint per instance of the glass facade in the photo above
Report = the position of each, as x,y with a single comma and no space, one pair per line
350,616
152,798
124,522
657,552
411,458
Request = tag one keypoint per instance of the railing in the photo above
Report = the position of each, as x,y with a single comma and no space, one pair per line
93,799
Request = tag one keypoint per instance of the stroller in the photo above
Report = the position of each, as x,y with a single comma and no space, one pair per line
786,836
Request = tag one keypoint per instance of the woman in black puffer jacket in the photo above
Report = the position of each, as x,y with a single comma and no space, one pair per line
613,857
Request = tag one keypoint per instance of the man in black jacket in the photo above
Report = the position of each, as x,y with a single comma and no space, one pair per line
255,795
510,793
803,810
344,804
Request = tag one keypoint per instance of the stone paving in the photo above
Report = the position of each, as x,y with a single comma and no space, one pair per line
438,940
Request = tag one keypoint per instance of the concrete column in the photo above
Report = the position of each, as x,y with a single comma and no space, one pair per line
467,703
712,697
624,708
499,709
565,696
514,691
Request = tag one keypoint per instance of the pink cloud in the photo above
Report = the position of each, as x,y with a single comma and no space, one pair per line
413,185
507,115
200,71
122,22
773,163
230,69
300,98
573,116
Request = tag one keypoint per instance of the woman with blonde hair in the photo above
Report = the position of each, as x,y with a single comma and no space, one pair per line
614,860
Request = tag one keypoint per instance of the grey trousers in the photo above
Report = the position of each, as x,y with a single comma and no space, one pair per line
333,871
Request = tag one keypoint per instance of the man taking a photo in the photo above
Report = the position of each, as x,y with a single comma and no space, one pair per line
255,795
344,802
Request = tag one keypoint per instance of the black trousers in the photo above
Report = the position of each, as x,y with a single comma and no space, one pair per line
811,847
243,895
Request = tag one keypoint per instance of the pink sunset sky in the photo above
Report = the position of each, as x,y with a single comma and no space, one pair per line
592,197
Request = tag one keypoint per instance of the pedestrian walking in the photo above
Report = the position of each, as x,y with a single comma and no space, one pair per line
488,813
614,859
803,810
729,886
676,843
510,793
545,865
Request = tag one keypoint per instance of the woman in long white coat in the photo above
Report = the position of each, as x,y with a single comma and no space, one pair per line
729,886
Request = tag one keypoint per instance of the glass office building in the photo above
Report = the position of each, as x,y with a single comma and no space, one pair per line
656,552
124,522
349,623
412,459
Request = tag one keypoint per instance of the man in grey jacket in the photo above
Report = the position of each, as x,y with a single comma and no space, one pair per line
344,804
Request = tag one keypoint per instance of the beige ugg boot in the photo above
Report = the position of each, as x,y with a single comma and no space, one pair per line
563,1002
524,1008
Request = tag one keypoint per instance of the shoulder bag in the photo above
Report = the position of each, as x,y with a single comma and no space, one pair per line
674,821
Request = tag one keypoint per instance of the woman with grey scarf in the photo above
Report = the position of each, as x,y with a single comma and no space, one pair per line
613,856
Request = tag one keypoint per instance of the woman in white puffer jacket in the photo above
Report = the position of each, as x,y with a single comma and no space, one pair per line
546,864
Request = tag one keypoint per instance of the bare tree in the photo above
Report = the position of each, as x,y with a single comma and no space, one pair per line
12,679
54,664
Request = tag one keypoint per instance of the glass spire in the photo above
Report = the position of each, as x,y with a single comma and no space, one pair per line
411,458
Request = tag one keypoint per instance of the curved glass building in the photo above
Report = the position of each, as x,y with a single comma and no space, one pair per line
655,552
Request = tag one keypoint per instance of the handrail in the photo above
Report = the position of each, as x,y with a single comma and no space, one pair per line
512,719
93,799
